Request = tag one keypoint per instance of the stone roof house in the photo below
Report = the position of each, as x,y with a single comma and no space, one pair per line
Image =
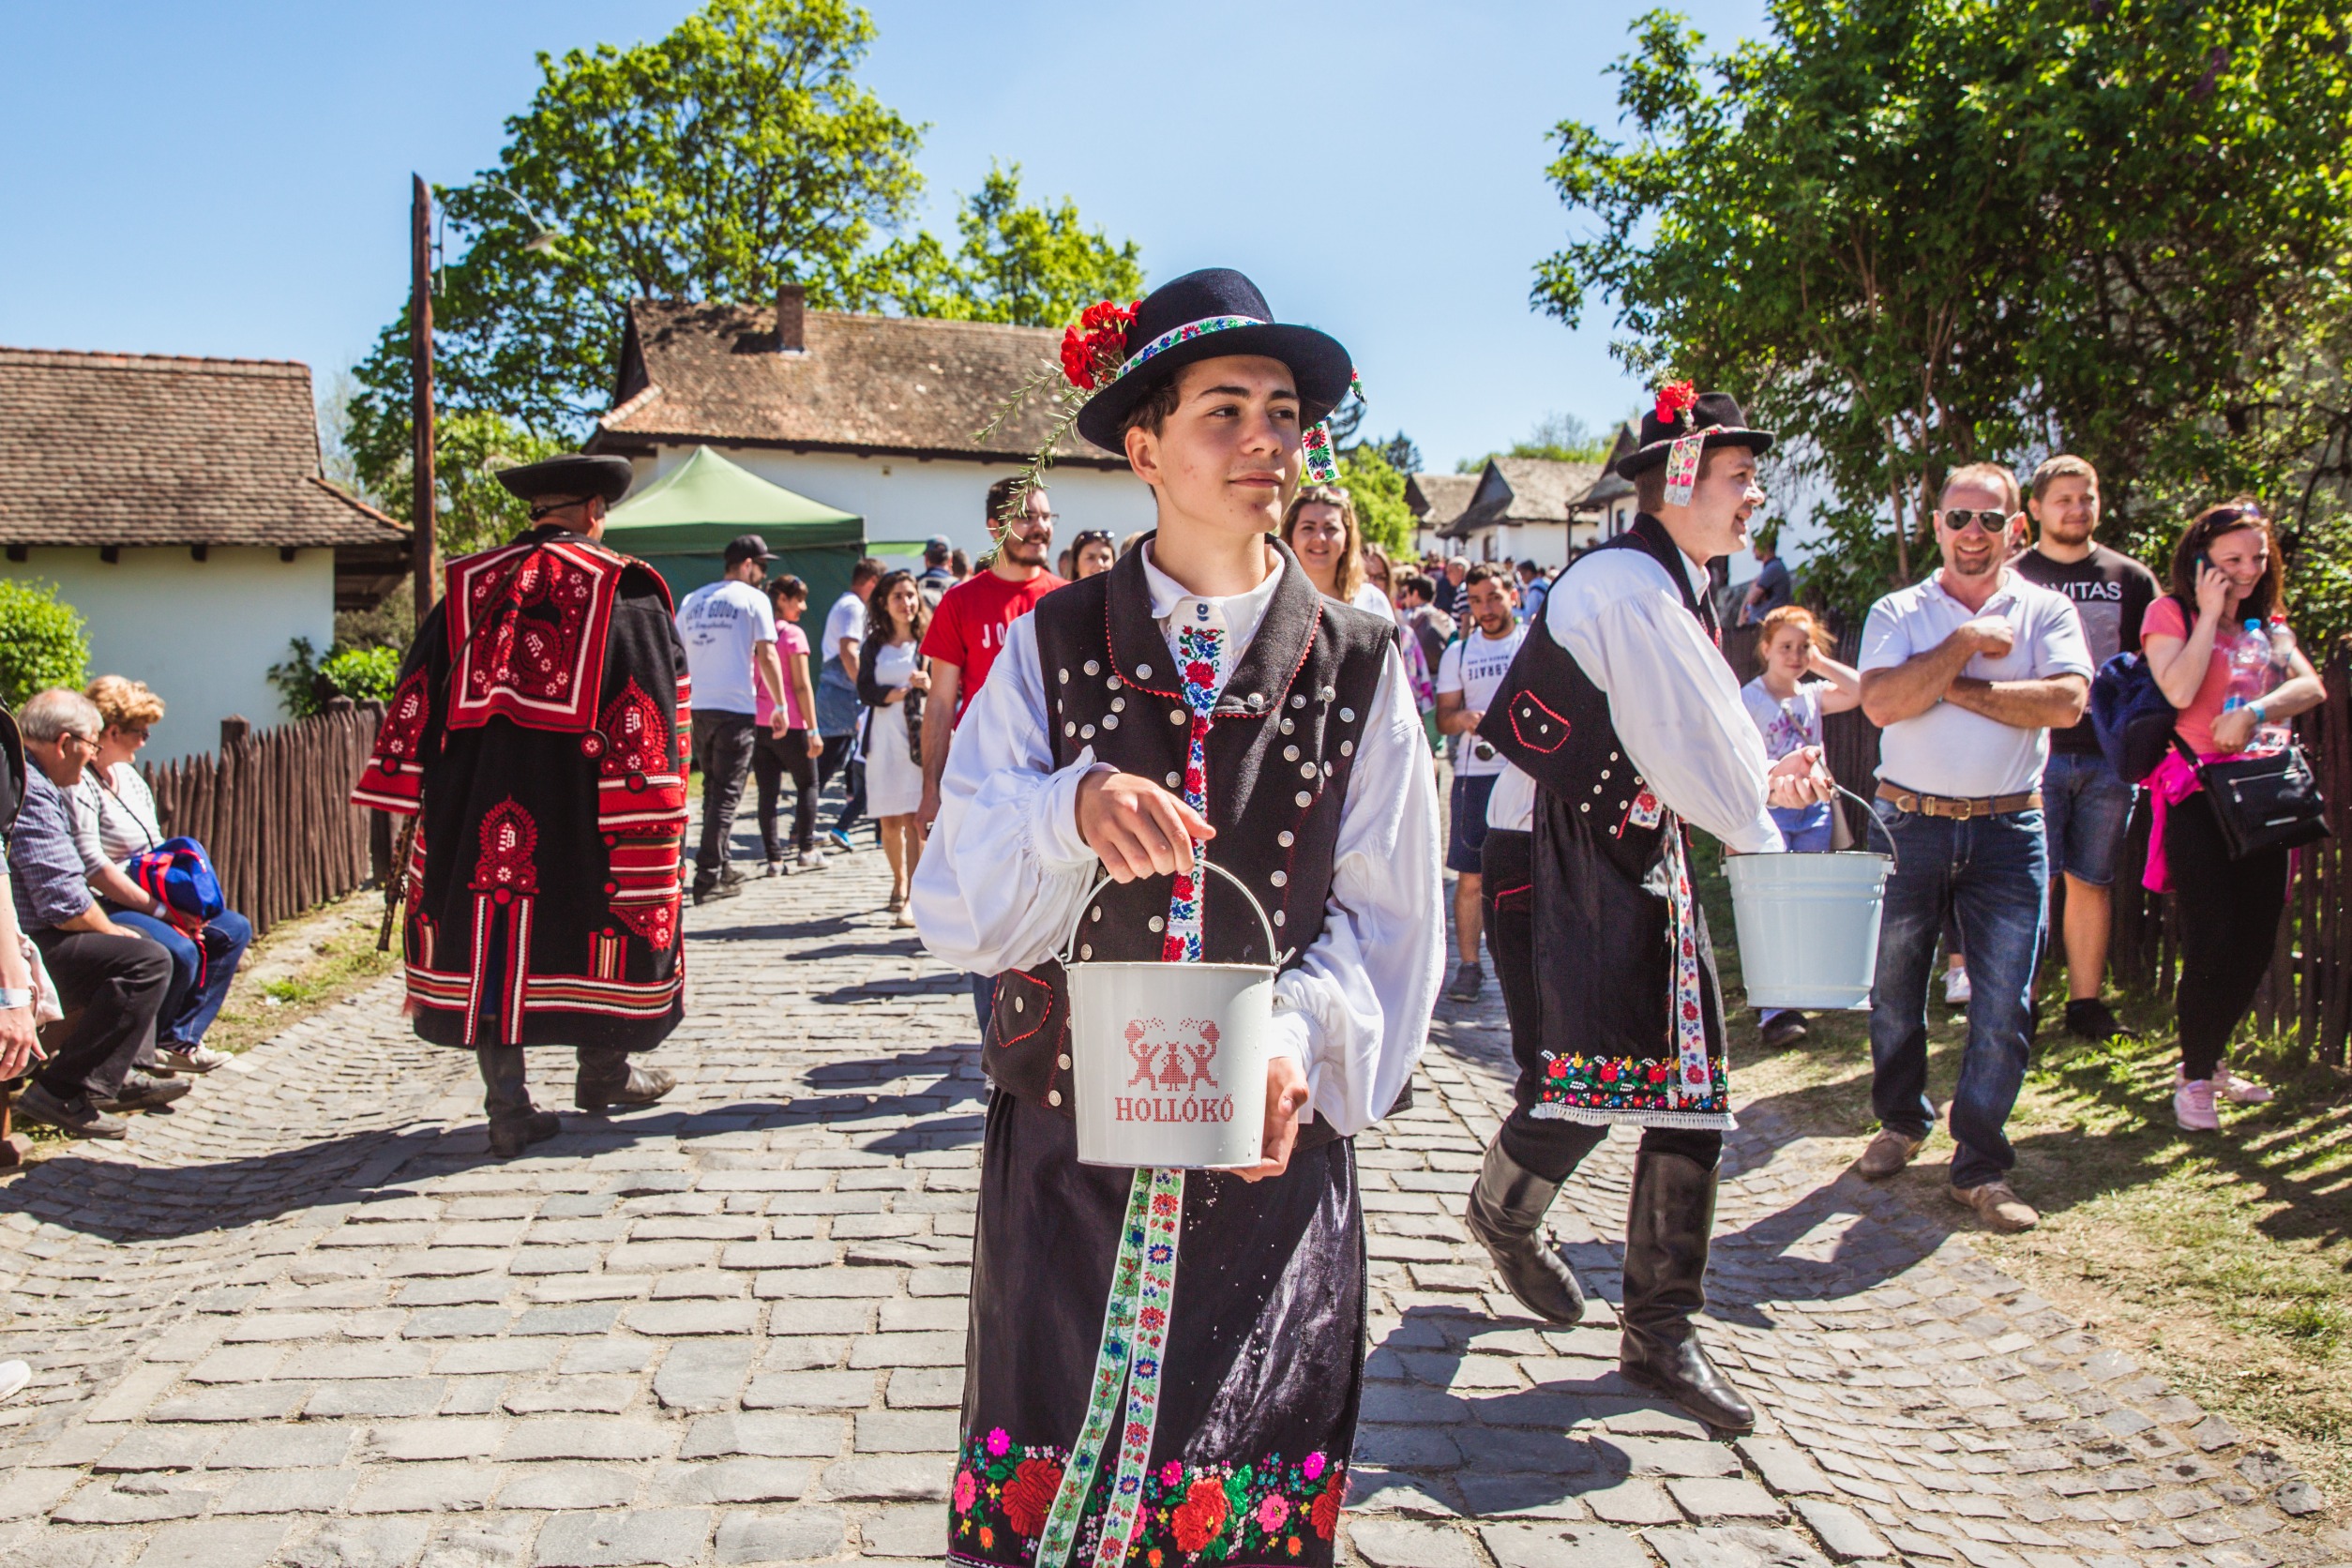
877,415
178,505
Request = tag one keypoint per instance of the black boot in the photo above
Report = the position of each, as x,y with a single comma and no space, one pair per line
1668,1223
1507,1212
608,1078
514,1124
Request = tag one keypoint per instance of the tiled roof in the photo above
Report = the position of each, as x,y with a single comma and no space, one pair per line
1528,489
149,449
1438,499
713,373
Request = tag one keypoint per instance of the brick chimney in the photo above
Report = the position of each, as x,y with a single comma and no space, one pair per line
792,310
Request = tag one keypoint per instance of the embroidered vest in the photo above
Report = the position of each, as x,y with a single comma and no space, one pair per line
1281,748
1550,721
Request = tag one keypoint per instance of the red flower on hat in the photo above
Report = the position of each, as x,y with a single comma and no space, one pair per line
1676,399
1092,351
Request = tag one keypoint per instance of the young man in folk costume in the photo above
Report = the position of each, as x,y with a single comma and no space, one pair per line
1163,1367
1622,723
537,733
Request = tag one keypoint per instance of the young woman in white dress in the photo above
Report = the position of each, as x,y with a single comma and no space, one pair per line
892,682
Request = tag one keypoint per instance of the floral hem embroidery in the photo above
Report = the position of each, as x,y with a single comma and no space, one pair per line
1269,1510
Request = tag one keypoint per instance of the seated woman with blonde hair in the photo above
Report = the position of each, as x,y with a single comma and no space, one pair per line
114,819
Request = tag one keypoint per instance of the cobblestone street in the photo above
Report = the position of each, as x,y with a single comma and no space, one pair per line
307,1320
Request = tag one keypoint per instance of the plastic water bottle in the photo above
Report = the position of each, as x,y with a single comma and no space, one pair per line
2249,667
2273,735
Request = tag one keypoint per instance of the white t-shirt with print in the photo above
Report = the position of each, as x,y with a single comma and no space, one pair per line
1786,723
719,623
1474,666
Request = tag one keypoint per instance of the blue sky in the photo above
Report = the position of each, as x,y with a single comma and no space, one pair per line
231,178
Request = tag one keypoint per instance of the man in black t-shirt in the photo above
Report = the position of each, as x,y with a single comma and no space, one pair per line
2084,806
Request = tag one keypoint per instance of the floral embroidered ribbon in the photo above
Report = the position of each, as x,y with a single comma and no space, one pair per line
1134,1343
1320,462
1690,1026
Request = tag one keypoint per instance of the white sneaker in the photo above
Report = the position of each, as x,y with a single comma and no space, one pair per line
1956,990
812,860
778,868
2193,1107
14,1375
196,1059
2239,1091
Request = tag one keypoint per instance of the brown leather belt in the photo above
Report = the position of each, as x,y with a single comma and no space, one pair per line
1957,810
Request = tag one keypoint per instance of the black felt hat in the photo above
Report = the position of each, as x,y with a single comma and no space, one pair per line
573,474
1713,415
1214,294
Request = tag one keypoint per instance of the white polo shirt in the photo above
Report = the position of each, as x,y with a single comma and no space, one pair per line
1949,750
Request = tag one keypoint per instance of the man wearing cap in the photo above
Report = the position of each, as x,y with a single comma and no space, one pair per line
1165,1365
1622,724
729,631
533,736
936,576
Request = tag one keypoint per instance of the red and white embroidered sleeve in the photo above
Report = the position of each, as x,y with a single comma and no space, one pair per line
394,778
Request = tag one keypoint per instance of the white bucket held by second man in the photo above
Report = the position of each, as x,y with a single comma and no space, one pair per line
1808,924
1169,1060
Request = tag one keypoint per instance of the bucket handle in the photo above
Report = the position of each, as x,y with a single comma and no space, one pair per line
1070,945
1870,815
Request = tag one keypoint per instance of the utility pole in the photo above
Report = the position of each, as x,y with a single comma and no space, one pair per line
420,341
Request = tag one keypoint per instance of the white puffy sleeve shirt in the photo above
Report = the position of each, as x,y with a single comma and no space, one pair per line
1006,872
1671,695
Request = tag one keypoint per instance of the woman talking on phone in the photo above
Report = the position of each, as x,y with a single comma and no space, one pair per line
2233,671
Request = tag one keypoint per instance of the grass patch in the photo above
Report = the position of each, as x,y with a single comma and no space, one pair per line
2219,1259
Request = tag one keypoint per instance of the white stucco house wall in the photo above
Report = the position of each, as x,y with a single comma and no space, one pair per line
177,504
872,415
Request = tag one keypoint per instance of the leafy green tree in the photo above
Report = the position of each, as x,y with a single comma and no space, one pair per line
1379,492
1556,437
734,155
1400,452
1913,233
1021,264
471,510
306,682
41,641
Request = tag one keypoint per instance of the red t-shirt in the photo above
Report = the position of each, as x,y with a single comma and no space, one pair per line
967,628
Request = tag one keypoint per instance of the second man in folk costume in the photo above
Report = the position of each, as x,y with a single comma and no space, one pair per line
533,736
1199,700
1623,723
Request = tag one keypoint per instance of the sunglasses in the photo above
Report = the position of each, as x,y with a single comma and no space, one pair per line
1991,520
1089,536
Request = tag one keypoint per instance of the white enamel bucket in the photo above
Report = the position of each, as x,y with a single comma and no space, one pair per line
1169,1060
1808,924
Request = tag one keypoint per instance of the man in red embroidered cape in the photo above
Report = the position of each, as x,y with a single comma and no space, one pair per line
538,727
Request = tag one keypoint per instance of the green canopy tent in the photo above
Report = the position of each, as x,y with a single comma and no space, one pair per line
681,522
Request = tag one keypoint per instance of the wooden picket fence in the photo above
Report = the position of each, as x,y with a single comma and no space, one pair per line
273,809
2308,994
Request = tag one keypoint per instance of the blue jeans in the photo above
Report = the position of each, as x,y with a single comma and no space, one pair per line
189,1007
1992,874
1806,829
2087,809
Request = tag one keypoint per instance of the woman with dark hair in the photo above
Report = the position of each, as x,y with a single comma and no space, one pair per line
891,682
1092,552
2227,575
796,751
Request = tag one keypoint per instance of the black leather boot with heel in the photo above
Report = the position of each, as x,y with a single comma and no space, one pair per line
607,1077
1506,1213
1669,1224
515,1123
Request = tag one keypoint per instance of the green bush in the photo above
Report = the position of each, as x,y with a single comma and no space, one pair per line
41,641
306,684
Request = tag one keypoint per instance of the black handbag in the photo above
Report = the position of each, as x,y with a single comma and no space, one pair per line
2262,803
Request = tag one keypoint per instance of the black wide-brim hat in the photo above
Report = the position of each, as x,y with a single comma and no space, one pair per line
1214,299
575,473
1715,416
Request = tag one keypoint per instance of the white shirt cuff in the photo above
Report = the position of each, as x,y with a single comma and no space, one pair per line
1054,829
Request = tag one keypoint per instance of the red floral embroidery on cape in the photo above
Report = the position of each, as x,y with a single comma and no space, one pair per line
401,742
658,924
510,842
635,740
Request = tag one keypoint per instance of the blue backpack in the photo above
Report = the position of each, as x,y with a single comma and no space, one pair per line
2131,716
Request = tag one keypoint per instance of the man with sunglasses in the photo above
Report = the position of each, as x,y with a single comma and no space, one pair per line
1965,674
968,632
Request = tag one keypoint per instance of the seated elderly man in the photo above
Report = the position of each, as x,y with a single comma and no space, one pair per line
116,977
114,819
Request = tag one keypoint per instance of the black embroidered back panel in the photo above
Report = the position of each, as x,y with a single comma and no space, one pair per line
1281,747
